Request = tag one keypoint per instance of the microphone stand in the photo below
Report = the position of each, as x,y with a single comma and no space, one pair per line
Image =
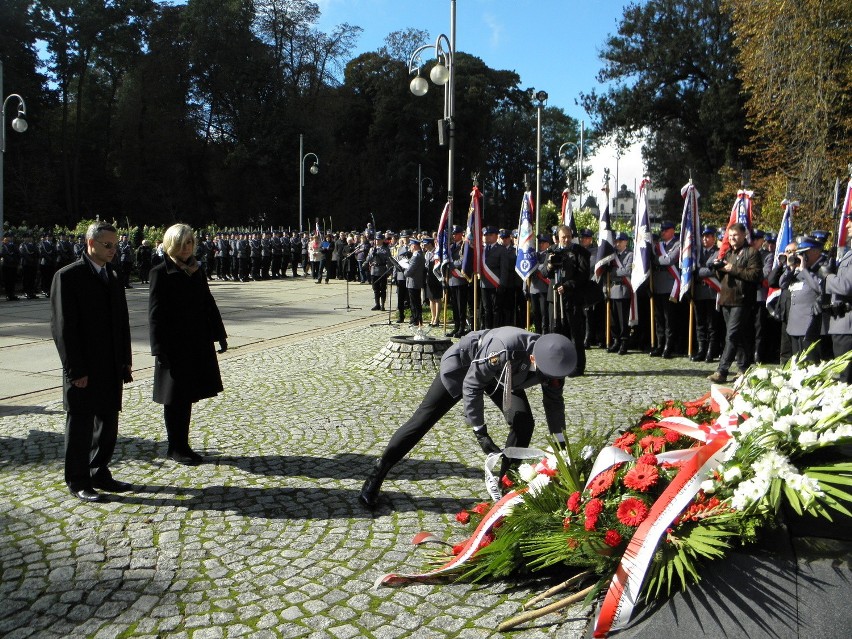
346,275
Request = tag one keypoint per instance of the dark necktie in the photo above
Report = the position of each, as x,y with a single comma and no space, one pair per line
104,275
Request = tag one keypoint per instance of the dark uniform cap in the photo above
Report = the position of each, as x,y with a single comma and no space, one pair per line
667,225
807,242
586,233
709,230
457,229
427,240
414,240
544,237
820,236
621,235
555,355
380,236
504,233
770,238
489,230
757,234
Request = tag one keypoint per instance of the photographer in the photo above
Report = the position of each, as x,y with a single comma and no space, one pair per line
838,282
803,280
739,272
568,267
781,310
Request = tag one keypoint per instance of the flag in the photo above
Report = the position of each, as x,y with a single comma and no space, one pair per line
642,244
568,213
689,230
844,217
317,229
740,212
472,251
442,244
785,236
526,260
606,241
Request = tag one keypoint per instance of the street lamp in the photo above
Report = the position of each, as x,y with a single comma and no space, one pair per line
565,162
541,98
314,170
19,124
441,74
429,190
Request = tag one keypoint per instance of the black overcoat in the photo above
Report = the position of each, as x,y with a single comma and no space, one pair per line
91,330
184,323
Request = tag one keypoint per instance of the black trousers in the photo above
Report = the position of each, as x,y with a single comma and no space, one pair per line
10,275
177,417
665,319
490,308
438,402
415,299
737,344
708,327
620,312
89,444
540,313
458,302
843,344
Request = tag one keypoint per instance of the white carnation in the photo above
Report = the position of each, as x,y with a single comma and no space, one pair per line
708,486
526,472
732,474
537,484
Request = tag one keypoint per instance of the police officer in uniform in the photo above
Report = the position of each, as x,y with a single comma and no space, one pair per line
805,283
29,265
10,259
47,262
244,257
708,320
496,259
538,287
457,284
568,268
379,264
64,251
838,282
665,260
500,363
620,294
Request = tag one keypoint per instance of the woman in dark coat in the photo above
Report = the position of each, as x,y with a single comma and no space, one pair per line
184,324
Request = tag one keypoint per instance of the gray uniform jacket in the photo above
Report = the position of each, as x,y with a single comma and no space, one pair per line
456,255
475,365
663,280
415,274
805,286
618,289
702,290
840,287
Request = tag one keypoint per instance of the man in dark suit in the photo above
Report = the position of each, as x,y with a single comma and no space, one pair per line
91,330
495,278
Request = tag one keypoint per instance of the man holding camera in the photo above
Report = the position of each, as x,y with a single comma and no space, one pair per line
802,278
838,282
739,272
568,267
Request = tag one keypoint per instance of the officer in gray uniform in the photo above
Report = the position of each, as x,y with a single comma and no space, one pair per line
457,284
708,320
803,280
538,287
666,258
265,256
47,262
500,363
838,282
620,294
378,261
29,265
64,251
415,280
10,259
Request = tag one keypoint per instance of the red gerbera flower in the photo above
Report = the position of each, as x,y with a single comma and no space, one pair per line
692,411
641,477
481,508
648,458
601,482
463,517
671,412
594,508
652,443
612,538
573,503
625,441
506,482
650,412
632,511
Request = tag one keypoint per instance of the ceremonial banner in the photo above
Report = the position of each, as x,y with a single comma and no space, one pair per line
472,252
844,217
689,228
785,236
740,212
568,213
442,244
526,260
642,243
606,243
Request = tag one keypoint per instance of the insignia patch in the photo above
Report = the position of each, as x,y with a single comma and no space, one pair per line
494,359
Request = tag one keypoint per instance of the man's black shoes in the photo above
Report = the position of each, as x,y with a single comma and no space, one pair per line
369,496
112,485
486,443
87,494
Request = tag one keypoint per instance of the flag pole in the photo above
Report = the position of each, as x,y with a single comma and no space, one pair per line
607,291
695,235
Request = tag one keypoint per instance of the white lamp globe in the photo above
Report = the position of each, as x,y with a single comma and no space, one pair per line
314,169
439,74
564,162
19,125
419,86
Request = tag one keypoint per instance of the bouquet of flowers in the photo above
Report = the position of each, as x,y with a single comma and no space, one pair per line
682,486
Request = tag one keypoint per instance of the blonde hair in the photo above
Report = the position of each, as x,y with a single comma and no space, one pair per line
176,236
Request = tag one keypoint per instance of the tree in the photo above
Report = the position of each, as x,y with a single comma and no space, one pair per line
796,65
672,75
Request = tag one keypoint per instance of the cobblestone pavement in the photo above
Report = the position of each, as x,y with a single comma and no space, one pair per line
267,540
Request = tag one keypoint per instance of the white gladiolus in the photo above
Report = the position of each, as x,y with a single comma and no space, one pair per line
538,484
732,474
526,472
708,486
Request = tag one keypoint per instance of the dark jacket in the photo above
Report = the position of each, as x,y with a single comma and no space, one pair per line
91,329
184,323
739,287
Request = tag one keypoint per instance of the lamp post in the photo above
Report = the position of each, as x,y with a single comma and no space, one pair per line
429,189
314,170
541,98
565,163
19,124
442,73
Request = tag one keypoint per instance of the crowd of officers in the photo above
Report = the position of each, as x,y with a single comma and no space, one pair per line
732,323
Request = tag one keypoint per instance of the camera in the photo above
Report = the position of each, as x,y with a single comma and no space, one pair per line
837,309
555,257
793,261
717,264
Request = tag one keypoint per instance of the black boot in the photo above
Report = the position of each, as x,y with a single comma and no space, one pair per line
622,349
701,354
369,496
613,347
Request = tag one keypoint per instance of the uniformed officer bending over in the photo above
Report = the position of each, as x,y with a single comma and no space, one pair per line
500,363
